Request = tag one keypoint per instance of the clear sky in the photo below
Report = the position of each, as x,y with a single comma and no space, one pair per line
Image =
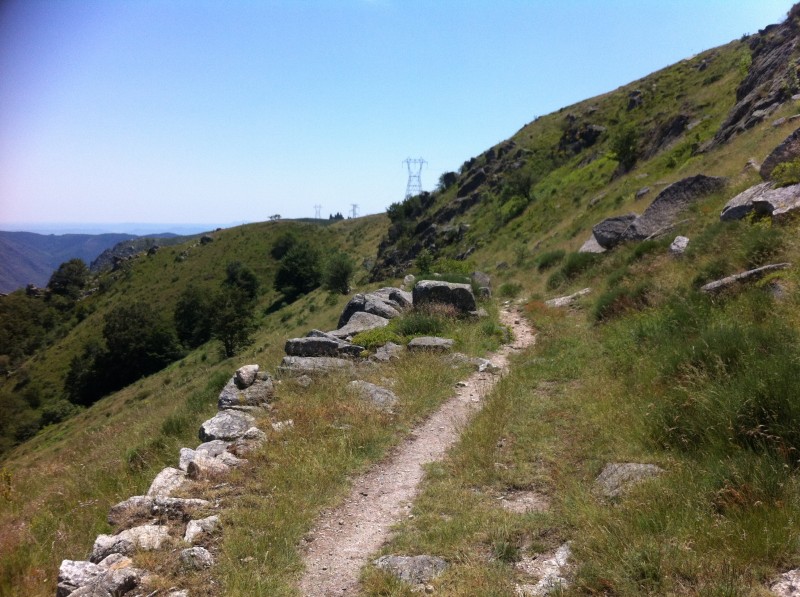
215,112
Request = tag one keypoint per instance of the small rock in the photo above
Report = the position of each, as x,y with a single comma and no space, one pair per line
195,528
416,570
678,246
146,537
431,344
388,352
748,276
206,467
245,376
566,301
377,395
618,477
197,558
787,584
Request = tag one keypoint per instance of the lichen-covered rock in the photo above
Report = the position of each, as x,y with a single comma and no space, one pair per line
679,245
610,231
431,344
377,395
143,507
226,425
196,528
206,467
245,376
297,366
146,538
388,352
166,482
415,570
197,558
73,574
617,477
742,204
459,296
258,393
375,303
788,150
359,321
787,584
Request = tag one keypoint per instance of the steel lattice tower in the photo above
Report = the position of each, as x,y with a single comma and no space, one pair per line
414,186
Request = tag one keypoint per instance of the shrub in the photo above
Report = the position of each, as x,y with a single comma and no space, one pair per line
299,271
509,289
619,300
337,272
417,323
372,339
69,279
548,259
282,245
624,146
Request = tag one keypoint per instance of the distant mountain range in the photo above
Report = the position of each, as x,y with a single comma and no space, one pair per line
30,258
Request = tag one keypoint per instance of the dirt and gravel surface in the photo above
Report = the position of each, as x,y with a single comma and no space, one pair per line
344,538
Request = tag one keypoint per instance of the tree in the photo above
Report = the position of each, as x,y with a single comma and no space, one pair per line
282,245
298,272
338,270
624,146
69,279
233,319
446,180
238,275
194,316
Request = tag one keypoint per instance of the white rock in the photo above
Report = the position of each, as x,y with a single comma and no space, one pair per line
166,482
196,527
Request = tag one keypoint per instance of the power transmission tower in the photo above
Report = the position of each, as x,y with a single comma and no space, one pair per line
317,209
414,186
354,210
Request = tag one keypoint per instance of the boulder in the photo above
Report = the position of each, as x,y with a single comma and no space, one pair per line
167,481
112,583
147,537
780,204
610,231
395,297
195,528
297,366
742,204
226,425
591,246
373,302
213,448
481,279
415,570
617,477
388,352
748,276
143,507
206,467
257,394
679,245
788,150
360,321
787,584
431,344
669,203
196,558
321,346
566,301
435,291
73,574
245,376
377,395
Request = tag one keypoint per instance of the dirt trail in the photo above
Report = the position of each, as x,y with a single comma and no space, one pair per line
343,539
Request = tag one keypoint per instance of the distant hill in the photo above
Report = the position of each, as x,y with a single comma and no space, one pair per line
30,258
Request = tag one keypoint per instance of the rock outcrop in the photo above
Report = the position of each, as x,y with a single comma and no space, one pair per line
748,276
788,150
459,296
764,199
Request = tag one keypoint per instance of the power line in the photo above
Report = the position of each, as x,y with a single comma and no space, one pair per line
414,186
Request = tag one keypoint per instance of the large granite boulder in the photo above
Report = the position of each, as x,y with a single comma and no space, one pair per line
448,293
788,150
360,321
257,394
380,303
167,481
610,231
763,199
670,203
226,425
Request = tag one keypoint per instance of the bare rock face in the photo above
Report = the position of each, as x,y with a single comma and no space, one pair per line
226,425
146,537
618,477
435,291
377,395
430,344
788,150
167,481
415,570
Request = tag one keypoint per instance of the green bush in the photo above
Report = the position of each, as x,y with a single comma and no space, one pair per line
418,323
548,259
337,272
372,339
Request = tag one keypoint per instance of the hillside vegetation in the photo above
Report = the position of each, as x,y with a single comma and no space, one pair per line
645,368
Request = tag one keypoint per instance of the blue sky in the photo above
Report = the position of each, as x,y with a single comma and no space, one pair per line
212,112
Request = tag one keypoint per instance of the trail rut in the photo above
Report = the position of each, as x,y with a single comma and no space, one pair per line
344,538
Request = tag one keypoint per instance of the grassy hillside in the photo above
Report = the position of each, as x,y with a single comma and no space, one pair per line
646,368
